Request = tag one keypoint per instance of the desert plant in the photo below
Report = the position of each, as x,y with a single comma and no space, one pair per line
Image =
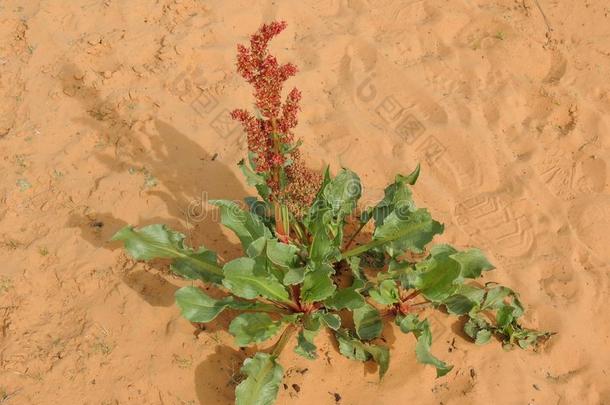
301,273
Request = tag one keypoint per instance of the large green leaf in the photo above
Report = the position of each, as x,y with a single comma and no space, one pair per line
345,298
409,231
337,199
282,254
326,237
354,349
252,328
472,263
157,241
317,284
196,306
368,322
247,226
264,376
246,278
421,330
437,274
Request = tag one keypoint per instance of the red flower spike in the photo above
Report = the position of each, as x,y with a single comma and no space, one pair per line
267,77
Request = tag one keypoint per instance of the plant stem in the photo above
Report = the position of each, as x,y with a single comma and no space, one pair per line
363,248
280,228
349,242
283,340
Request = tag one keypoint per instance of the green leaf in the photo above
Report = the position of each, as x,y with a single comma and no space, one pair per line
422,351
421,330
247,226
472,263
354,349
368,322
495,297
386,294
473,326
294,276
401,232
254,327
483,336
282,254
257,247
437,274
305,346
255,179
459,304
397,198
196,306
345,298
245,278
333,321
157,241
326,238
412,177
342,193
264,376
317,284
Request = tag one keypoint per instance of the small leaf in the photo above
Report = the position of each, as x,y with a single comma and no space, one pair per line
495,297
474,325
412,177
196,306
254,327
159,242
368,322
354,349
317,284
264,376
421,330
386,294
483,336
342,193
422,351
333,321
245,278
255,179
305,346
247,226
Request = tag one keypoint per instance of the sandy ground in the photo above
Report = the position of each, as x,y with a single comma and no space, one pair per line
114,112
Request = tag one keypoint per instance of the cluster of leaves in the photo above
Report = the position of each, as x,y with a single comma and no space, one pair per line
314,280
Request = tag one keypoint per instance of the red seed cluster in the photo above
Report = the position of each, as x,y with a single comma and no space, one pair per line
274,127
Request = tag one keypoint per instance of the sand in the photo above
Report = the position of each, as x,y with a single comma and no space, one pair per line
115,112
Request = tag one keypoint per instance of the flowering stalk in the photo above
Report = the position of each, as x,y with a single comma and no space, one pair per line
269,134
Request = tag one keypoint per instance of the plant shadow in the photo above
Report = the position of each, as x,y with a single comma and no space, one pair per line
217,376
166,157
183,176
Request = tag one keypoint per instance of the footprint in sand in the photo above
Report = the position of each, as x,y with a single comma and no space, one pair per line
590,219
